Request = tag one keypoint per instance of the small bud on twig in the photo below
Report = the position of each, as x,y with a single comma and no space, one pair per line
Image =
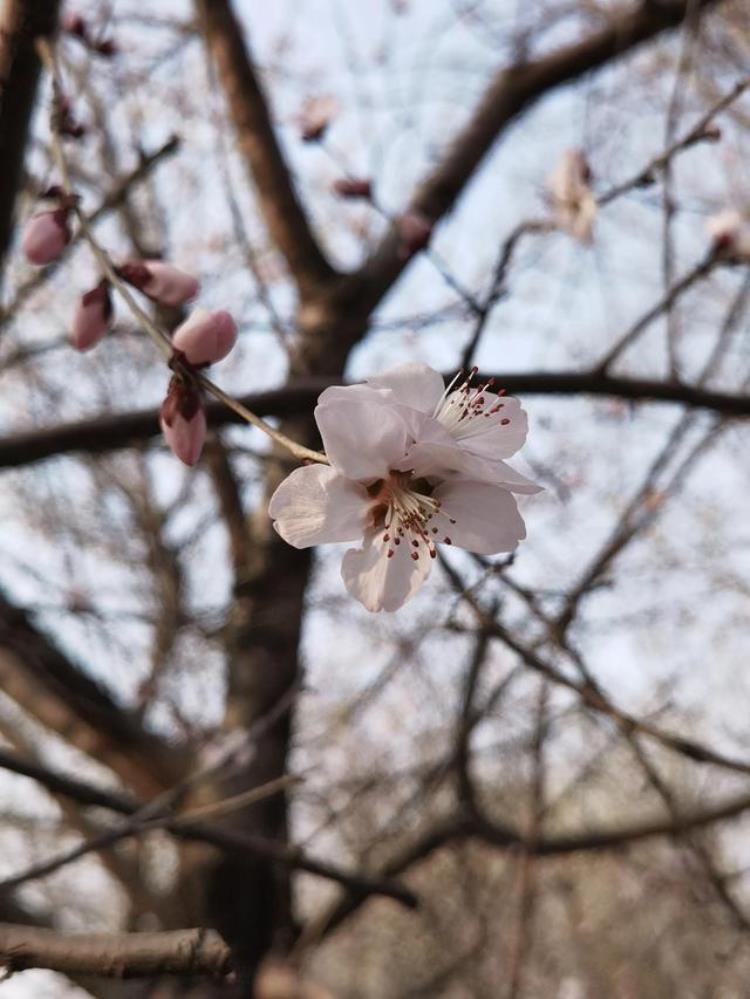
92,317
415,230
352,188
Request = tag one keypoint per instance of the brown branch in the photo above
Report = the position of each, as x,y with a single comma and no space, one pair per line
82,792
20,22
47,685
227,840
115,955
504,837
285,217
512,90
111,432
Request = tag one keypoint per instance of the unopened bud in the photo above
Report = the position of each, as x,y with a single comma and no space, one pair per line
415,230
315,117
161,281
352,188
205,337
92,317
45,236
183,420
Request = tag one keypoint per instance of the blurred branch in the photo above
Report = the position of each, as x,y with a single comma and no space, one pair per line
82,792
20,22
285,217
158,814
115,955
113,431
512,90
49,687
114,199
697,273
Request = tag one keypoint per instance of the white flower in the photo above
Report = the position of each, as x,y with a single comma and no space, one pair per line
412,465
571,197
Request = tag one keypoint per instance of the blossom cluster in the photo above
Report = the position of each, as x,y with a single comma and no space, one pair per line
202,339
412,465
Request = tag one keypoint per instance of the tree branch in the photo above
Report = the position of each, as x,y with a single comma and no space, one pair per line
47,685
115,955
110,432
20,22
285,217
512,90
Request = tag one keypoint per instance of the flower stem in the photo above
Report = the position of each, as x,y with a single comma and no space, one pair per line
159,336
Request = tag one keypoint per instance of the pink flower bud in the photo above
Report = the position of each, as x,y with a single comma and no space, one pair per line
74,24
315,116
183,421
415,230
352,188
92,317
107,48
730,231
162,282
205,337
45,236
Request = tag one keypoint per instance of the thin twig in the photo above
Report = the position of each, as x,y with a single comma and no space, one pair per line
159,337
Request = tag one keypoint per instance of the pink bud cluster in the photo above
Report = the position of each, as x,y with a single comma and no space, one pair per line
160,281
204,338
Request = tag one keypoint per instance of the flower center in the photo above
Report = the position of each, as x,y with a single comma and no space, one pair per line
463,410
403,506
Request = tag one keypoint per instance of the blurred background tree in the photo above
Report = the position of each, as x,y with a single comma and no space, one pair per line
531,781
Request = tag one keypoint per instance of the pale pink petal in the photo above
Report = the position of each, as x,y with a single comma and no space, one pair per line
92,317
362,440
315,505
725,225
168,284
413,384
438,461
45,236
345,393
495,435
205,337
581,225
380,582
730,231
186,437
569,190
477,516
316,115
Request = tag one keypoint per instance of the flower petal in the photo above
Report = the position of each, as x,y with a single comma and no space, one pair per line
439,461
498,435
315,505
363,439
477,516
346,393
416,385
381,583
